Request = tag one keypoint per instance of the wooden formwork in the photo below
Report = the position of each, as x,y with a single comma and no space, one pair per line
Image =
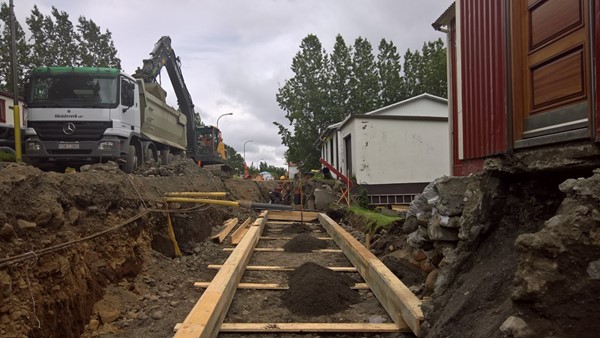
206,318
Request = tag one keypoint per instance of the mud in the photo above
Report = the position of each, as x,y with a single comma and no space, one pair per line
315,290
304,243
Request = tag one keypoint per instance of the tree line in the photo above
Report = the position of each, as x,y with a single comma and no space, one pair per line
327,87
53,41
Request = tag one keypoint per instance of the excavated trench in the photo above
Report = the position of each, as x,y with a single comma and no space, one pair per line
54,291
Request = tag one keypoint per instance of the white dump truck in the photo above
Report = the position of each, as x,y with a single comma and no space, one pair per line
79,115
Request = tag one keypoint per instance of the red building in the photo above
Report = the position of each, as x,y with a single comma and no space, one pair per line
523,76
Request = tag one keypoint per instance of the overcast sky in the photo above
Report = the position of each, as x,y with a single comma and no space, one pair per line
235,54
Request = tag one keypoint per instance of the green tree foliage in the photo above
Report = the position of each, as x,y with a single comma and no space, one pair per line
388,69
96,48
53,41
340,74
364,83
234,160
425,70
327,88
6,78
304,99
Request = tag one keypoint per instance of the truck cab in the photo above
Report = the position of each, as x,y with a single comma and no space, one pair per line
81,115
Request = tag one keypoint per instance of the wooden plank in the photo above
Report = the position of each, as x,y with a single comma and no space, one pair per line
228,226
284,268
281,223
272,286
305,216
282,250
207,315
399,302
312,231
237,235
312,327
270,238
309,327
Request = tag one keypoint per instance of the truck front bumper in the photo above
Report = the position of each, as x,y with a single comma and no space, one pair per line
107,148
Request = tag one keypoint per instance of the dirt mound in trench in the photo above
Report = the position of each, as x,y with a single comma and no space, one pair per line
315,290
304,243
40,210
297,228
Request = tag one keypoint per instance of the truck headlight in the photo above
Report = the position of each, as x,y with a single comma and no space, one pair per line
106,145
33,146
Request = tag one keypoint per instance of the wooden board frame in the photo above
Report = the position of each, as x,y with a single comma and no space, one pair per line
273,286
207,315
228,226
399,302
310,327
297,216
238,234
284,268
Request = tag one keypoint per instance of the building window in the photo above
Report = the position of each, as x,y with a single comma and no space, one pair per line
2,111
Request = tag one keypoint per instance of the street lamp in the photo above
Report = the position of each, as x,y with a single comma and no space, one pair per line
245,149
220,118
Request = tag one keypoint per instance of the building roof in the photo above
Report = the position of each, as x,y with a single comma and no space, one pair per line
405,102
445,18
376,114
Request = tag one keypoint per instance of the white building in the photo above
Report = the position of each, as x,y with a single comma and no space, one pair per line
7,119
394,151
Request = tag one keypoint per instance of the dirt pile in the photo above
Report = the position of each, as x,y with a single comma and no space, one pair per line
304,243
52,294
315,290
297,228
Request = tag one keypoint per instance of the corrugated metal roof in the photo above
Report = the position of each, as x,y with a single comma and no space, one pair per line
445,18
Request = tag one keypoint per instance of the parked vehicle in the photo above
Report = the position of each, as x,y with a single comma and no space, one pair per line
83,115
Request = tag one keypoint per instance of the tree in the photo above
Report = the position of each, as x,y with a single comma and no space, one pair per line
96,49
425,71
6,78
340,74
388,70
43,49
304,98
364,83
234,160
64,39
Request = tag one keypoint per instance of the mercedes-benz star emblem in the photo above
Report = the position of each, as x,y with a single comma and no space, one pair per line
69,128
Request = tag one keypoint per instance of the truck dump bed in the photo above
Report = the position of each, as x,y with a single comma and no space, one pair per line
160,122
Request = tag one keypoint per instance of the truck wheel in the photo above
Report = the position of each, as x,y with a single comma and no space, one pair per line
149,156
165,157
131,163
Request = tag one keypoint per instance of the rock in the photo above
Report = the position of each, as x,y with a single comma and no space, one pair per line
437,232
324,198
377,319
24,225
410,225
73,215
451,191
430,283
5,284
593,269
516,327
108,309
157,315
94,324
426,266
419,255
174,303
7,232
4,319
43,218
85,168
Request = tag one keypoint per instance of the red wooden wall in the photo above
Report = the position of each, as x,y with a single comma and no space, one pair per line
484,100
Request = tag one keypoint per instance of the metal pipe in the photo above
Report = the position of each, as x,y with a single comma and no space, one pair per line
202,200
16,114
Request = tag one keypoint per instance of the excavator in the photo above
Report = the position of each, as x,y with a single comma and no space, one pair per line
204,143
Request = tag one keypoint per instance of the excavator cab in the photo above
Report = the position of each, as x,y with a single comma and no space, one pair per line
211,149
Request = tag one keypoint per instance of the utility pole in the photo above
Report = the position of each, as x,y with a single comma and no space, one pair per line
13,52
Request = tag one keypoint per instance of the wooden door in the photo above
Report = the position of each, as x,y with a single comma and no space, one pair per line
551,70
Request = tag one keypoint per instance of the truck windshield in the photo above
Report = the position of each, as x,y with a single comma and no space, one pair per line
76,91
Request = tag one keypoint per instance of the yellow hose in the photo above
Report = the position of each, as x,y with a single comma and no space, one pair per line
196,194
202,200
